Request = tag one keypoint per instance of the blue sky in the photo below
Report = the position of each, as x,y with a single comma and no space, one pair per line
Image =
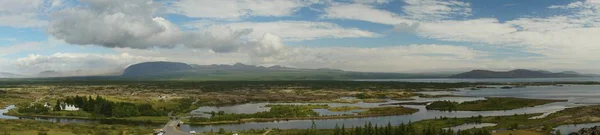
72,36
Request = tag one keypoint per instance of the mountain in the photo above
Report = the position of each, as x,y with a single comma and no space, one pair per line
9,75
49,73
519,73
151,68
239,71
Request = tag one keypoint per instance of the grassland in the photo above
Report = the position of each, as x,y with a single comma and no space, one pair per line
30,127
490,104
180,97
344,108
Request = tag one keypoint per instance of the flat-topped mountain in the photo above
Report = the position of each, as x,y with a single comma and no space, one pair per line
519,73
152,68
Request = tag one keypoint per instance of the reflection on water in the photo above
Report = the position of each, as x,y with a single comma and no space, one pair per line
250,108
566,129
471,126
5,110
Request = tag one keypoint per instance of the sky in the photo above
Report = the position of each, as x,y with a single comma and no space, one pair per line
92,37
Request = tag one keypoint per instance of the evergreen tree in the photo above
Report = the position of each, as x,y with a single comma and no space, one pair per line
336,131
57,107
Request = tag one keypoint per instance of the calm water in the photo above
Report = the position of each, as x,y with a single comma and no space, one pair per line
577,95
566,129
453,80
2,111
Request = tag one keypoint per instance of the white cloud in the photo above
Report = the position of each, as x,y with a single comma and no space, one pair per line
372,1
130,24
436,9
377,59
236,9
364,13
560,39
17,48
293,30
79,63
26,13
485,30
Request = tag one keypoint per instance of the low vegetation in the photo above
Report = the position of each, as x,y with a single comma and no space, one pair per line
31,127
295,112
344,108
490,104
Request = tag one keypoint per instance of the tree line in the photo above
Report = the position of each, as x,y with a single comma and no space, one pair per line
276,111
98,107
402,129
103,107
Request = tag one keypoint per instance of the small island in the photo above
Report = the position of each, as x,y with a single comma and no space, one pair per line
491,104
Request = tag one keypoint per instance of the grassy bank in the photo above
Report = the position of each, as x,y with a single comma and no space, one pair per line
30,127
491,104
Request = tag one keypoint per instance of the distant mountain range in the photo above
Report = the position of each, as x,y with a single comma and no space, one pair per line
9,75
519,73
238,71
162,70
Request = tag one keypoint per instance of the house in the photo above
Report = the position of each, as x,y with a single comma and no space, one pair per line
47,105
68,107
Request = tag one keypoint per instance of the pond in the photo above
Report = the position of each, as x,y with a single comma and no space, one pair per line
5,110
566,129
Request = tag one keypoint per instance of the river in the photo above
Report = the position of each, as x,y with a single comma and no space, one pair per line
576,95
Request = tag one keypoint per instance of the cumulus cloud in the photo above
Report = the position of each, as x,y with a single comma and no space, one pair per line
236,9
17,48
292,30
79,63
131,24
26,13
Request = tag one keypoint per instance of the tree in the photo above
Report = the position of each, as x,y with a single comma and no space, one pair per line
57,107
221,131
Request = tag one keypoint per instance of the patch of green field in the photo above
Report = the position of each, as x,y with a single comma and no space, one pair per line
31,127
344,108
491,104
389,111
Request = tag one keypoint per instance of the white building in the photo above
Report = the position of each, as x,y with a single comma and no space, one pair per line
69,108
47,105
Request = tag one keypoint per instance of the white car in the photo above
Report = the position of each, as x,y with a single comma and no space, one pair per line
192,132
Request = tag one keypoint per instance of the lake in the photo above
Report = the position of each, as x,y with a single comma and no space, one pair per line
499,80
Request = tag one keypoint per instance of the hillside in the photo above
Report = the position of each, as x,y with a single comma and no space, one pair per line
238,71
519,73
154,68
